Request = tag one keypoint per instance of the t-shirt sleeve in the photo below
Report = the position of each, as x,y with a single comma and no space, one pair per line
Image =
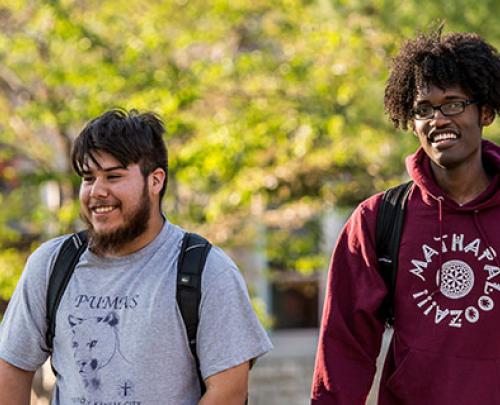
229,332
22,332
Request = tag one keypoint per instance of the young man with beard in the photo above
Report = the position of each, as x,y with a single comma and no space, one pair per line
119,337
445,347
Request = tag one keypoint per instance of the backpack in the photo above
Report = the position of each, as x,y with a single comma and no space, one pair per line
191,262
390,222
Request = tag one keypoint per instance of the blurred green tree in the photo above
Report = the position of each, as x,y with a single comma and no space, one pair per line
273,107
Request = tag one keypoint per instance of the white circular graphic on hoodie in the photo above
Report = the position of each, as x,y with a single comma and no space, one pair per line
457,279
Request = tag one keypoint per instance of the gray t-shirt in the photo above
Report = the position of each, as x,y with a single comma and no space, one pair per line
120,338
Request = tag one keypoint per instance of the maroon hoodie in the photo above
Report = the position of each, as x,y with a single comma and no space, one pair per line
446,344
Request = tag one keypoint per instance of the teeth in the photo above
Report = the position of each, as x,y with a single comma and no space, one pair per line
445,136
104,209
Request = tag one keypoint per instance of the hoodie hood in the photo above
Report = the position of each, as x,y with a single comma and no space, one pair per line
418,166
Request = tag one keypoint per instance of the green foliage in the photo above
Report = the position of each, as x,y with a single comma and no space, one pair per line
273,108
11,265
297,250
260,309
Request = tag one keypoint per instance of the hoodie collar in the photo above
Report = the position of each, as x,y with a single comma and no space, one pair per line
419,168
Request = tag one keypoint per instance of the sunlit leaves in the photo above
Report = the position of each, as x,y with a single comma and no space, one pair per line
11,265
273,109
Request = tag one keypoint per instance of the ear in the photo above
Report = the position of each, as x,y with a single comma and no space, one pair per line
487,115
156,180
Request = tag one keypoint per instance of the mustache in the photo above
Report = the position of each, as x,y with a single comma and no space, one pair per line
100,203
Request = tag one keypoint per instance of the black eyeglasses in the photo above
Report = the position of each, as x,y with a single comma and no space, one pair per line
426,111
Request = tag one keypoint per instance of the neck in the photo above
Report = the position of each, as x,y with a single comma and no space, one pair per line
462,184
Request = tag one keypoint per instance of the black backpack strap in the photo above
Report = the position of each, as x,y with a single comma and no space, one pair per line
192,257
390,221
66,261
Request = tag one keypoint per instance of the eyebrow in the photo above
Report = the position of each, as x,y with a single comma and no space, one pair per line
106,169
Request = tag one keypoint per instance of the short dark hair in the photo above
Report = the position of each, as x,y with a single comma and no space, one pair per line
462,59
131,137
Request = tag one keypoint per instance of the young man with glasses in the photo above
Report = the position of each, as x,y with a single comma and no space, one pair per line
445,347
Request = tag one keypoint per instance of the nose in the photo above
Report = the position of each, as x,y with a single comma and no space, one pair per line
439,119
99,189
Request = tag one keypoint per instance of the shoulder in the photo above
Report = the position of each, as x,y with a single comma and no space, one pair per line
48,248
220,270
359,230
366,211
217,258
371,203
40,262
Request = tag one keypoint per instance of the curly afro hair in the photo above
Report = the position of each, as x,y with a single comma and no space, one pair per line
462,59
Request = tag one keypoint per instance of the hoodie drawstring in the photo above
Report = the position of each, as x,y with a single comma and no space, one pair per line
440,200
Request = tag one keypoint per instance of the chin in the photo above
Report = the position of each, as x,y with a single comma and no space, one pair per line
447,163
103,232
444,159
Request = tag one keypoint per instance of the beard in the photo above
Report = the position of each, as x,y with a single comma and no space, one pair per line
135,224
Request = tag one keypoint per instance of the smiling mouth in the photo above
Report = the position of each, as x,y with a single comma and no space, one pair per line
103,209
444,136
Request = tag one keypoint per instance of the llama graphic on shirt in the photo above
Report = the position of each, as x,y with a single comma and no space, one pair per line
95,343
